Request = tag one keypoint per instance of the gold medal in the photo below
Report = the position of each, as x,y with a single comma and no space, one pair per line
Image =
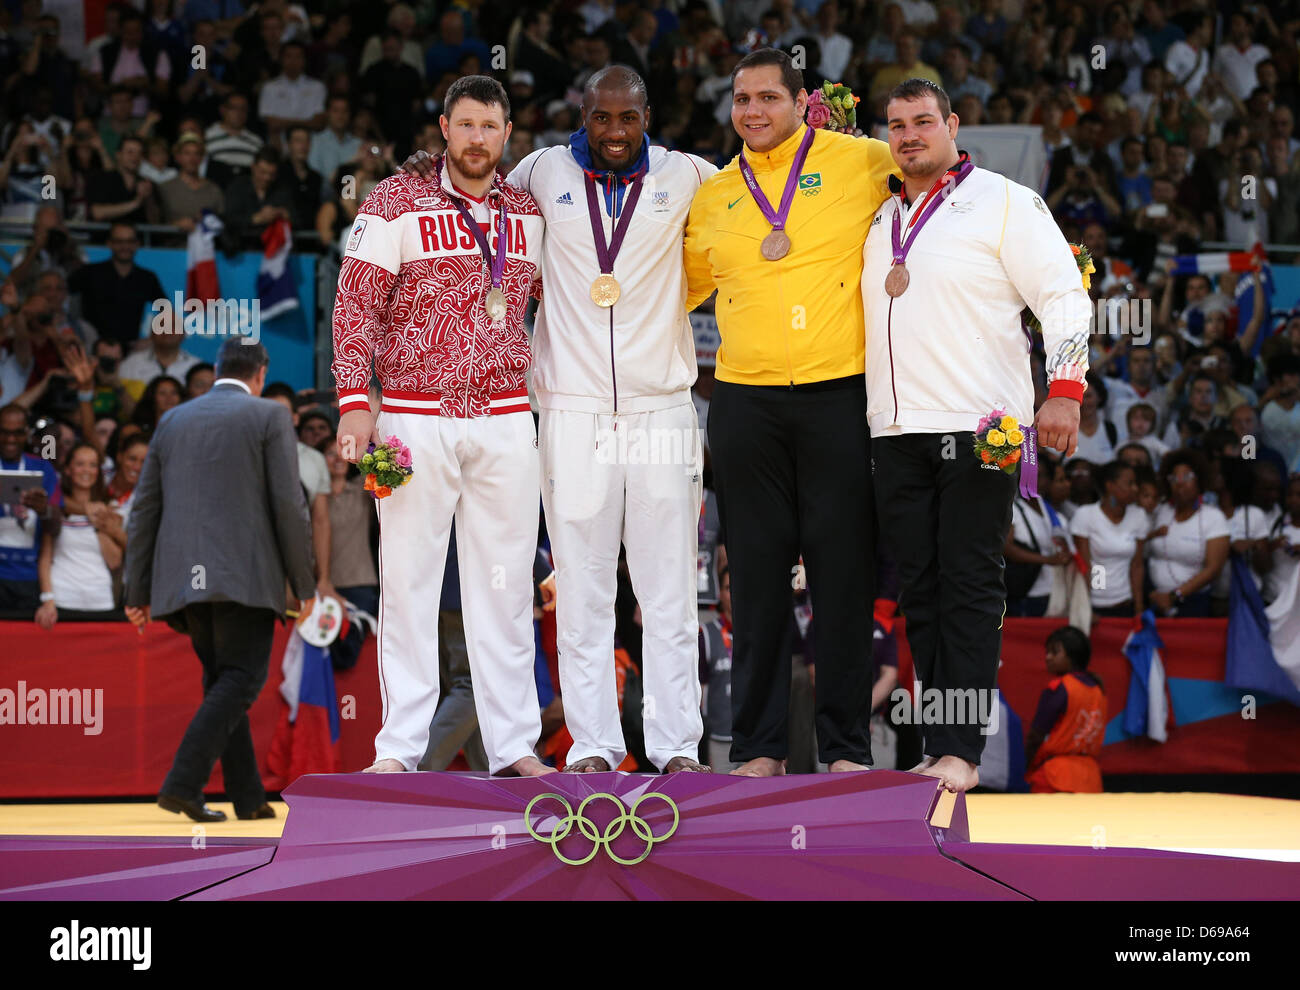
605,291
496,305
775,246
897,279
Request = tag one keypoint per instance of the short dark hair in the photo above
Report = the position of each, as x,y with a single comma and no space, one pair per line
1282,364
197,369
484,89
268,155
242,358
1074,644
280,390
791,77
1111,470
616,77
917,88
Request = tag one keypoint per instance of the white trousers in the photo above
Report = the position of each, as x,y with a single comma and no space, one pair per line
483,473
639,485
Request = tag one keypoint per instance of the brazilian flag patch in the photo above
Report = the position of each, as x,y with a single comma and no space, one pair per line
810,183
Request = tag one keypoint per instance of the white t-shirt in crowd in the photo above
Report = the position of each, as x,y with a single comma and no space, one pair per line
1178,555
79,577
1283,563
1248,522
1097,449
1111,547
313,471
1024,522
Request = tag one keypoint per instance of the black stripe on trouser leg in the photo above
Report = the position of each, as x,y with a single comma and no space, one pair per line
946,521
790,469
836,520
754,480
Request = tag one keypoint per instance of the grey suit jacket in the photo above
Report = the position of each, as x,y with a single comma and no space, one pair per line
219,513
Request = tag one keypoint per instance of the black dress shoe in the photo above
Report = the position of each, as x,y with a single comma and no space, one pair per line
266,811
197,810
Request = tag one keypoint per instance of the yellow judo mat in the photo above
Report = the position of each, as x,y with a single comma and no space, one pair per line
1220,824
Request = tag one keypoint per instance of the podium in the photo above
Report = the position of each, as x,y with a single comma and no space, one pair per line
604,836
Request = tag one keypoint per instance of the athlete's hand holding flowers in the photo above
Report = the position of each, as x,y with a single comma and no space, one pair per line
386,466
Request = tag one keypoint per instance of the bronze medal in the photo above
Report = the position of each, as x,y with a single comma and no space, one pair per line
605,291
897,279
496,305
776,245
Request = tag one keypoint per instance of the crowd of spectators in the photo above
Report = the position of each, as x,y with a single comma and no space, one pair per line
1165,127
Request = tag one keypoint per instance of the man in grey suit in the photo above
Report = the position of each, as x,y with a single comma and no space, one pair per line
218,523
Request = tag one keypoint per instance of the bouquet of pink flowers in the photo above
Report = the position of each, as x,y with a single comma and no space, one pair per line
386,466
833,108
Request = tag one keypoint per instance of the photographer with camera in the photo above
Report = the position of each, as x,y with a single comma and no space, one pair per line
1083,197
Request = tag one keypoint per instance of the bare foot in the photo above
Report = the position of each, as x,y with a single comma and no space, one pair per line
954,773
528,766
385,766
760,766
684,763
847,766
590,764
924,765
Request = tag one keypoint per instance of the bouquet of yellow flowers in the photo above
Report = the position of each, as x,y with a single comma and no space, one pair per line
386,466
1087,269
997,440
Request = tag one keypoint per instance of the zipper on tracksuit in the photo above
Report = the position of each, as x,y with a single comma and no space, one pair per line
613,223
889,337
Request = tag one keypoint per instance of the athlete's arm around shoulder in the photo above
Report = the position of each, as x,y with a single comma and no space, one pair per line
523,174
700,225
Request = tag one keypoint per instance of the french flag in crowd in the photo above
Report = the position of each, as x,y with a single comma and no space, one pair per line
1147,711
275,286
1218,262
1263,642
201,259
306,738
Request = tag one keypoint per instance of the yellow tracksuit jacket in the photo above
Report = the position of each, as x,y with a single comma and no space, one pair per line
799,319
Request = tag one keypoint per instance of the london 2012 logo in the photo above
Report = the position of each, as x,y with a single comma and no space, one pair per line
624,818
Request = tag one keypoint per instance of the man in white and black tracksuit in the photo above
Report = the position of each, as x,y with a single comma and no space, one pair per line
618,434
951,259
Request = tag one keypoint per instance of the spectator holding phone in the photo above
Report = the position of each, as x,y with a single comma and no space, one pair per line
77,557
22,525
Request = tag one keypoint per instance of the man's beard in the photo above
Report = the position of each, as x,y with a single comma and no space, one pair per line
922,164
472,169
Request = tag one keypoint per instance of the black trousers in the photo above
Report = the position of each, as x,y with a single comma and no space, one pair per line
233,642
790,473
946,519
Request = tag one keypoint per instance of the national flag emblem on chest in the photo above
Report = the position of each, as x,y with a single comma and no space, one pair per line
810,183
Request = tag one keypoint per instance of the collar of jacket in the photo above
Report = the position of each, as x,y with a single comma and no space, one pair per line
581,152
780,157
896,184
449,190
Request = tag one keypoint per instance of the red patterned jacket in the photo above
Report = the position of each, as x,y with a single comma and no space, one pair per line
411,298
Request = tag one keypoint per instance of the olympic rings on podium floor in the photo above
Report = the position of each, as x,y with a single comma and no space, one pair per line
591,831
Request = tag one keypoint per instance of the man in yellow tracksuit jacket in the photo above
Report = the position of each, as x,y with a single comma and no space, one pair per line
787,422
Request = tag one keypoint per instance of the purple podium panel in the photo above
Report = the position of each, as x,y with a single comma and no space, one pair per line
1079,873
612,836
64,868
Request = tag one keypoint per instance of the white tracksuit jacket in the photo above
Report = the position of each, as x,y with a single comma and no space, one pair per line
950,349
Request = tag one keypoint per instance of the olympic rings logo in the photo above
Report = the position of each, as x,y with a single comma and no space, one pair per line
590,830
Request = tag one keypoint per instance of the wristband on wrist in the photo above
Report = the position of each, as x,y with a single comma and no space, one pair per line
88,396
47,596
